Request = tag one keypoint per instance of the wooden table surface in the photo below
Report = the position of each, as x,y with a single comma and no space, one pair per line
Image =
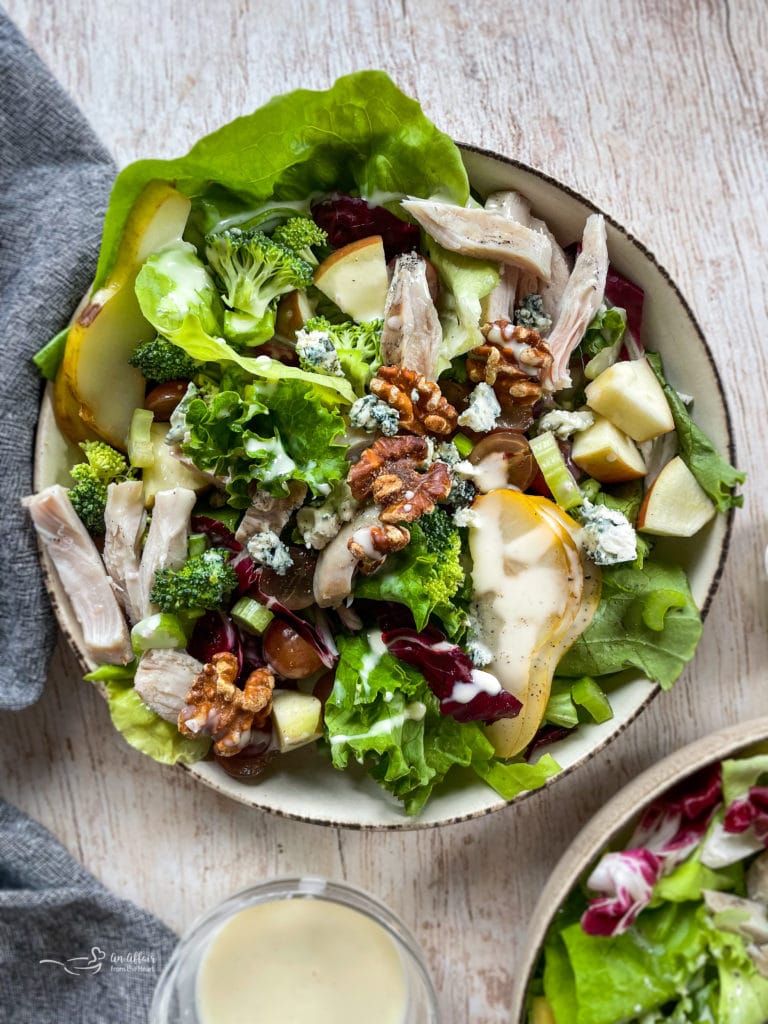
657,112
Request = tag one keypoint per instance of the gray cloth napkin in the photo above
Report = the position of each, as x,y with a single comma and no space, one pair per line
70,951
55,178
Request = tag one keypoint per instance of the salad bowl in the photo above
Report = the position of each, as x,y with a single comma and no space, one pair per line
683,774
308,788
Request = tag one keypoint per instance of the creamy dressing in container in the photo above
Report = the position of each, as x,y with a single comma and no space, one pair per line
307,961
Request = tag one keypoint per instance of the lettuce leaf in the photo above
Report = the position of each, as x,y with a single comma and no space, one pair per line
466,282
363,134
715,474
148,732
509,780
426,580
266,434
382,712
605,331
646,618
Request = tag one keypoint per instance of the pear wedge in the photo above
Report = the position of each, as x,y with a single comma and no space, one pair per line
96,391
533,597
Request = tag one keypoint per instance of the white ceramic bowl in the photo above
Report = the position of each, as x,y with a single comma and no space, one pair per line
617,816
307,788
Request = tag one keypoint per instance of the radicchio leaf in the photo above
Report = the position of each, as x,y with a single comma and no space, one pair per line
749,812
347,219
627,879
668,830
629,297
547,734
217,532
464,693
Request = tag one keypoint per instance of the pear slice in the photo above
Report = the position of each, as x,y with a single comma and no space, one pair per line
166,471
355,278
96,390
528,582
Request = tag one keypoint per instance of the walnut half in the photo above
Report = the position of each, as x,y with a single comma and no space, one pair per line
215,706
419,402
394,472
512,361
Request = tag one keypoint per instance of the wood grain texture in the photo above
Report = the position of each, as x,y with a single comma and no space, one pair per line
657,112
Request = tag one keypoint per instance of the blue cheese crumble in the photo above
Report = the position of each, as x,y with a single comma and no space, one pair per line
178,428
371,415
317,353
483,410
607,535
563,423
268,550
319,524
531,314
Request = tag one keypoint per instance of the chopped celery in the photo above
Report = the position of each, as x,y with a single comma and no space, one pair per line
157,631
561,710
251,615
558,477
141,453
463,445
197,544
588,695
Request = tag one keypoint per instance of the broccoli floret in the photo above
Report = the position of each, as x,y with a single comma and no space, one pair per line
300,234
254,271
160,360
358,347
204,581
442,581
104,466
440,535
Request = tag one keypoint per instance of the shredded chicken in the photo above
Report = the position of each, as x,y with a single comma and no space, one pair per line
483,234
412,334
580,301
336,564
166,544
269,513
551,291
163,680
500,304
82,575
125,518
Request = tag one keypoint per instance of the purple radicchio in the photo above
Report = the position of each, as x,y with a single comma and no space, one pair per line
215,633
749,812
319,637
629,297
669,829
464,692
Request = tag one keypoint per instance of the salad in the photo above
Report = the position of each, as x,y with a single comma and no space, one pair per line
363,459
672,925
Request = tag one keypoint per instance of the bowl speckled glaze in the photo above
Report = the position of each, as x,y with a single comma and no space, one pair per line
304,786
615,817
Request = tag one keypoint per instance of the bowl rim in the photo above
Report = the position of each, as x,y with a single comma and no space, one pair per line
603,827
242,795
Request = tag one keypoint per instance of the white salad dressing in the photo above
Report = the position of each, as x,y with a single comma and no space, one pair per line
372,658
412,713
490,474
307,961
519,590
482,682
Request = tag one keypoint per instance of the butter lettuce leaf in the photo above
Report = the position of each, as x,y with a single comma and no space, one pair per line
646,619
363,135
714,473
148,732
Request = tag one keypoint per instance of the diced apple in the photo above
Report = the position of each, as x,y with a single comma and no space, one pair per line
296,719
675,505
166,471
96,390
607,454
293,311
355,278
629,395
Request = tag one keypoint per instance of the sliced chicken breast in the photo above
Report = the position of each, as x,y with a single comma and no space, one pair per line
267,512
82,575
125,518
411,334
166,545
163,680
